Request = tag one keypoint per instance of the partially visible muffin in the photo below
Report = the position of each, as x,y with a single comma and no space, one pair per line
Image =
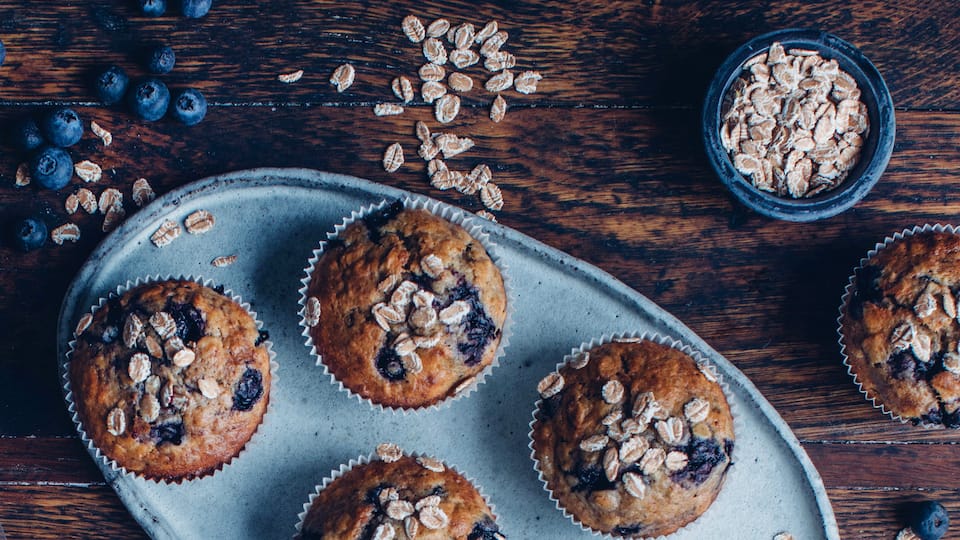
405,308
170,379
633,438
400,497
899,327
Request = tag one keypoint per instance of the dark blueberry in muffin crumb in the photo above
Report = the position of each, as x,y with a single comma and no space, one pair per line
903,365
110,334
438,491
627,530
190,325
167,433
378,219
479,328
373,496
261,337
389,365
867,289
592,478
248,391
929,520
485,530
549,407
704,456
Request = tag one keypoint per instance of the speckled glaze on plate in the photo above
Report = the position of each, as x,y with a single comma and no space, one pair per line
272,219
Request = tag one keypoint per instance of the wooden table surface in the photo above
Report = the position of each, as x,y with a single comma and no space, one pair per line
604,162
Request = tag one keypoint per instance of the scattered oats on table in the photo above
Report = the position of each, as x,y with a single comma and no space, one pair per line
142,192
413,29
88,201
114,215
23,175
447,108
393,157
343,77
499,109
68,232
72,203
110,198
403,89
88,171
387,109
292,77
105,136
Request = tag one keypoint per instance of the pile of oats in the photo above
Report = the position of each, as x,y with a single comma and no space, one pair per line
448,48
794,122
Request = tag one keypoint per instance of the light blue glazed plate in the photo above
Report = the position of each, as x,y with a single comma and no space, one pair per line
272,219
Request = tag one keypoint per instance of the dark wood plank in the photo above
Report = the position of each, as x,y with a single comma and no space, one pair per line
881,513
64,512
46,460
592,53
636,192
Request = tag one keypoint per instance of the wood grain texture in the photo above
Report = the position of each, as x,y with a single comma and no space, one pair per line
593,53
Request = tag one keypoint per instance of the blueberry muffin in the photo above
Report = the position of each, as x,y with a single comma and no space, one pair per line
899,328
400,497
405,308
633,438
170,379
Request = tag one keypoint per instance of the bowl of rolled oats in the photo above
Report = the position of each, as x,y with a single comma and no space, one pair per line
798,124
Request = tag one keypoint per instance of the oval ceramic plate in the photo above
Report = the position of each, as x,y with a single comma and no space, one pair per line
272,219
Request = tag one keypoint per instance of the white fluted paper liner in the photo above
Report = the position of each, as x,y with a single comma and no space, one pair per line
848,290
94,451
371,457
474,228
709,513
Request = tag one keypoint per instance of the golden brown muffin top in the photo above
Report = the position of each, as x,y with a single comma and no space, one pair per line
170,379
633,437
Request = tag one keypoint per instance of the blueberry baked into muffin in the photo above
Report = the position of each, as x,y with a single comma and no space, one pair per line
399,497
633,438
170,379
405,308
900,331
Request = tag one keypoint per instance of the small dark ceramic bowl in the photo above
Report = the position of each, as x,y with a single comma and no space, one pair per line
874,155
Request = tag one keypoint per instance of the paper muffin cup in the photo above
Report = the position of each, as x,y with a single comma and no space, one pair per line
95,451
473,226
371,457
848,291
709,370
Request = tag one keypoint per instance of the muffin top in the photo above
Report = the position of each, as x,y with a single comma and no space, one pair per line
633,438
900,330
400,497
405,308
170,379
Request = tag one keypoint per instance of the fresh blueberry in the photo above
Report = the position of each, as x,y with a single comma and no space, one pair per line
62,127
149,99
26,135
160,59
112,84
3,53
51,167
153,8
190,107
29,234
929,520
195,9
